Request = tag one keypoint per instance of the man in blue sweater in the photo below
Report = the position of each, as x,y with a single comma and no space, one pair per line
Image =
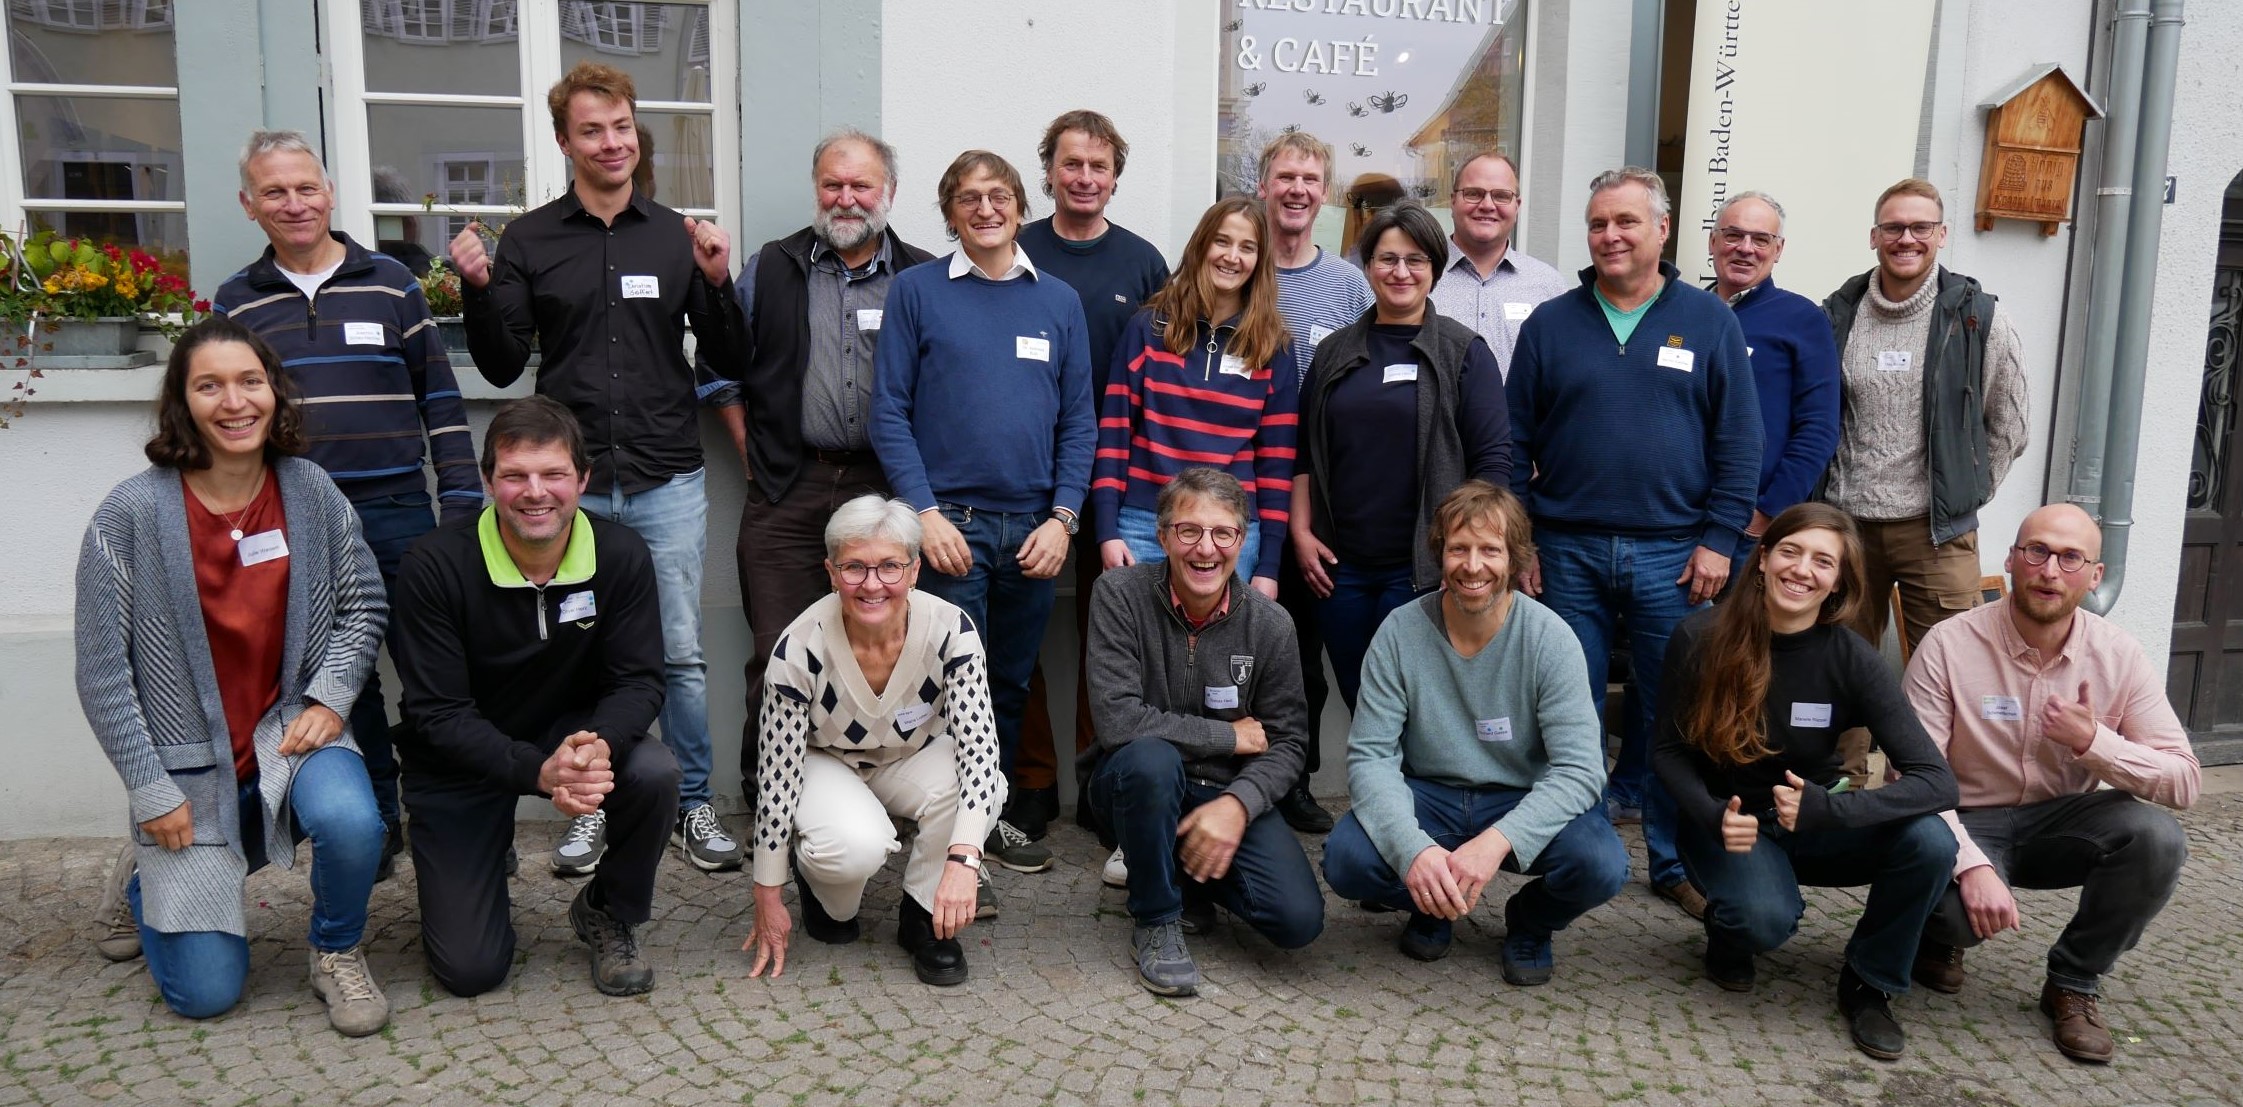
1638,434
982,420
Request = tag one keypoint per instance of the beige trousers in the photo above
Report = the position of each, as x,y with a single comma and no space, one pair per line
844,833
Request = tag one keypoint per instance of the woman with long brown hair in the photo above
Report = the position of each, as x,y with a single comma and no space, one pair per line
1758,688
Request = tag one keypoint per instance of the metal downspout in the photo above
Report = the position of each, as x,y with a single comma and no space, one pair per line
2161,66
2130,41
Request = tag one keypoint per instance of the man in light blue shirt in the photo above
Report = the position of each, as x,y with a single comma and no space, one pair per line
1492,286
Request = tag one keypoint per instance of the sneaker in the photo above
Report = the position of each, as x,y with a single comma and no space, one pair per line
1164,966
1729,966
1301,811
1527,960
582,847
356,1006
1685,895
120,939
1116,872
1869,1014
1015,850
1198,916
392,845
1426,937
985,897
704,841
513,861
2080,1031
1939,966
617,968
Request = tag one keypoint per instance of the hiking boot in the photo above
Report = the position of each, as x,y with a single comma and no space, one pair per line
120,939
1164,966
1939,966
816,922
1728,965
937,961
1426,937
356,1006
617,967
1685,895
1014,849
1116,872
1301,811
2080,1031
583,845
1527,959
1869,1014
704,841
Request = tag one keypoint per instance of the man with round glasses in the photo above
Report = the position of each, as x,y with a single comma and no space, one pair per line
1933,381
2058,730
1492,285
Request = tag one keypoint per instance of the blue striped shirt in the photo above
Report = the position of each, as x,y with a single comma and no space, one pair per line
1319,298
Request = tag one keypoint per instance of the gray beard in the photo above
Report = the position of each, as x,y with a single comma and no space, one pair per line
848,235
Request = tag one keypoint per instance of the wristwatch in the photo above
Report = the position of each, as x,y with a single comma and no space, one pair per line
969,860
1067,519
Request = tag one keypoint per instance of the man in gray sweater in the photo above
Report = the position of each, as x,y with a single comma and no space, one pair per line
1195,690
1475,748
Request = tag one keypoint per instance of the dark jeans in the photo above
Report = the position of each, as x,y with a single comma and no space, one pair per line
2122,854
1582,867
1753,901
1140,791
781,555
390,523
1008,608
463,826
1299,601
1361,599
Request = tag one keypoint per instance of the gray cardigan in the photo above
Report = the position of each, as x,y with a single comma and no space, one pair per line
150,692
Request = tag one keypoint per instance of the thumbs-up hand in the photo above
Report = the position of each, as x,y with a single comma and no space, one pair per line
1787,800
712,250
1738,830
2070,723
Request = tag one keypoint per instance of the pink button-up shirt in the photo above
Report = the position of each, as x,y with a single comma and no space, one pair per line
1979,690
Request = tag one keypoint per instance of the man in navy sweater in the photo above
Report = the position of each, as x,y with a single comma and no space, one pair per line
1638,436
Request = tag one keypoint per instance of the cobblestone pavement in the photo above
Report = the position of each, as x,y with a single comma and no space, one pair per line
1053,1013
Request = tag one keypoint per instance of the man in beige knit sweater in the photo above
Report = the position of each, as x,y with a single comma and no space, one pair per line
1934,413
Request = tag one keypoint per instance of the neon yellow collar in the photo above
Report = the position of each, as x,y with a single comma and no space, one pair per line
578,563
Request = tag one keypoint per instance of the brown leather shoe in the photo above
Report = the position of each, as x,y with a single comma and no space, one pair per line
1685,895
1939,966
2080,1032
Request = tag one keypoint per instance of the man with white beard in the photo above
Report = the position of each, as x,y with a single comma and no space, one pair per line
812,301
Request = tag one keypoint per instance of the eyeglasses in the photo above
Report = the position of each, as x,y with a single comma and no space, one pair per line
889,572
1190,534
1396,261
1894,232
969,201
2071,561
1761,240
1473,196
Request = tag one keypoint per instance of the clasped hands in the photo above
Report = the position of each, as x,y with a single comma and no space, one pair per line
578,775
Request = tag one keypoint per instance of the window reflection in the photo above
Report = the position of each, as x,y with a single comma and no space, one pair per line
465,47
443,158
92,42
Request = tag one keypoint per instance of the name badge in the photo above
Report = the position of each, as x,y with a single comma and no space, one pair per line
1317,334
258,549
910,718
1396,374
1493,730
642,288
1748,351
1894,361
1672,357
1032,349
868,319
1222,695
2001,709
578,605
364,334
1235,366
1810,714
1516,313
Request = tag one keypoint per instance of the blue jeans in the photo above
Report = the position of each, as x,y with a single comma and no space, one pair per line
1361,599
1753,901
390,524
1141,792
1583,866
1591,581
674,521
201,972
1008,608
1140,529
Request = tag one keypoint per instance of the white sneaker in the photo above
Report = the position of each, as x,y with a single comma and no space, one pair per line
1116,874
356,1006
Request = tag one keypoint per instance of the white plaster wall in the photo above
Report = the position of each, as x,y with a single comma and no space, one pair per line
1596,121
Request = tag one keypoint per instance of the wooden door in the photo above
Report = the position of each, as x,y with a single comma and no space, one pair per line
2205,677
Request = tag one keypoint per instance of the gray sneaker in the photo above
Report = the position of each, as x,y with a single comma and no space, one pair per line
1011,847
1164,966
985,901
120,939
704,841
582,847
617,968
356,1006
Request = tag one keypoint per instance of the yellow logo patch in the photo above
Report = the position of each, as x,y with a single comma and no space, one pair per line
1674,341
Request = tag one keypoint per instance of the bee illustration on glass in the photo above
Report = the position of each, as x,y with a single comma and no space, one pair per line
1313,96
1390,102
1357,110
1256,88
1423,190
1359,150
1289,129
1233,26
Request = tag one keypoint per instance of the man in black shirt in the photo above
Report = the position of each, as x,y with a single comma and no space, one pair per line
604,281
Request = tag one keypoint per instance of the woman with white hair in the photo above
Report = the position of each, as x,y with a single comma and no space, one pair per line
876,704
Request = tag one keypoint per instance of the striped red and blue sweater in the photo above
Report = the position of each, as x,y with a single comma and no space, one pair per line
1164,413
370,368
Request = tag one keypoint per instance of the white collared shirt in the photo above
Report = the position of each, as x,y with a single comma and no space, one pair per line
960,265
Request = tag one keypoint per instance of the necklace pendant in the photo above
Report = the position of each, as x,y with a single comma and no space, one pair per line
237,534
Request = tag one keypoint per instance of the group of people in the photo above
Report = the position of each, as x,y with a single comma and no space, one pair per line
1452,471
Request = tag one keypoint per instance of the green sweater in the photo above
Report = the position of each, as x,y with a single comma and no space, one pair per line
1516,715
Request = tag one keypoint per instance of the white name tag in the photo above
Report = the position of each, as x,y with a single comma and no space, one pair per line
1222,695
1748,351
1810,714
2001,709
1032,349
642,288
364,334
1894,361
1317,334
1235,366
578,605
868,319
911,717
1516,313
1120,299
1674,357
257,549
1396,374
1493,730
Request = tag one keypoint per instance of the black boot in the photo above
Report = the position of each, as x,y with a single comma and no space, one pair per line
938,961
1870,1016
816,922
